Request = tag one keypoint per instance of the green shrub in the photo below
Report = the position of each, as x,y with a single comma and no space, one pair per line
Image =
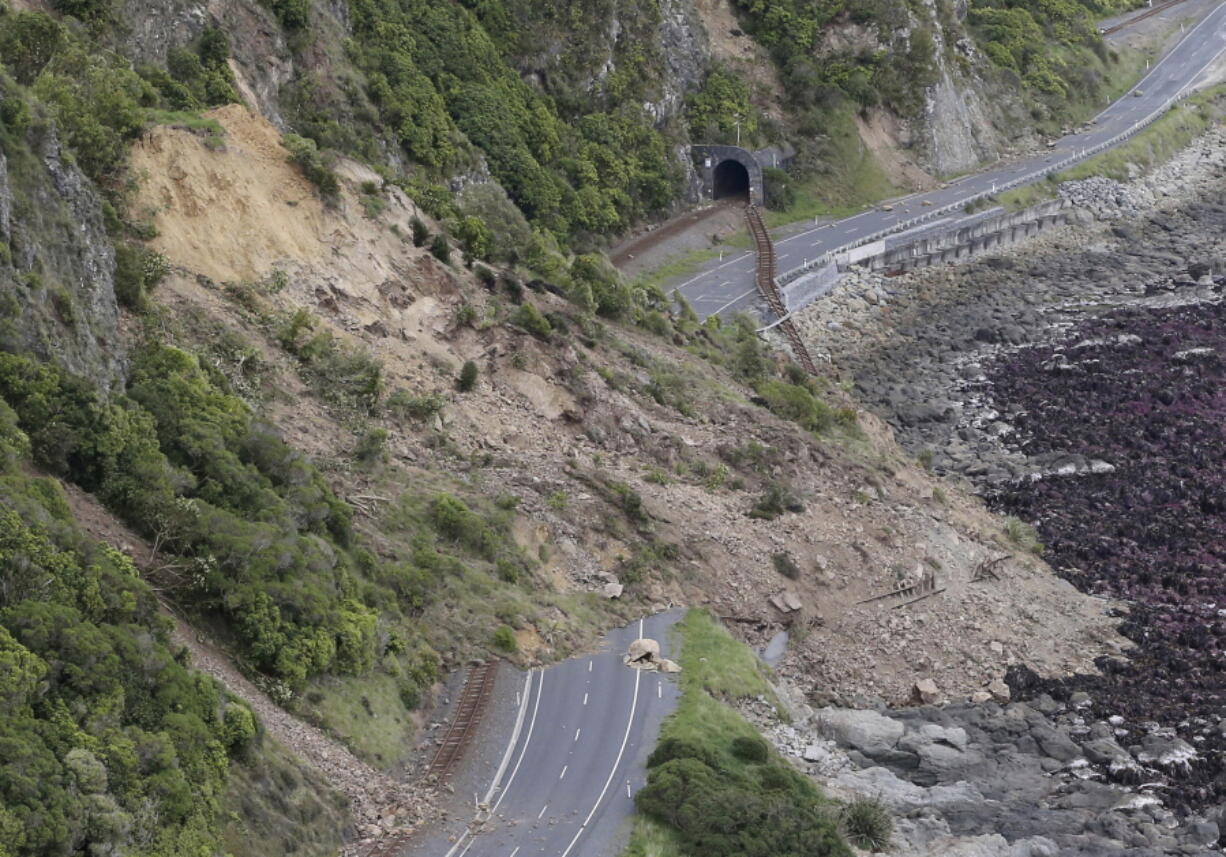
504,639
485,276
468,377
80,634
262,538
405,404
750,748
421,232
28,41
138,270
797,403
341,375
530,319
305,155
785,565
867,824
777,499
371,446
440,249
293,14
98,105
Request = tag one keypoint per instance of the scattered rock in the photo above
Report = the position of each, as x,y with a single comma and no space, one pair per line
926,692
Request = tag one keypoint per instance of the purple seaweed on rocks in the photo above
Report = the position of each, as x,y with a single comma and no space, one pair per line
1151,532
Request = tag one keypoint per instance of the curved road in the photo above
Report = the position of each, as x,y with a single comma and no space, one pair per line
576,755
728,287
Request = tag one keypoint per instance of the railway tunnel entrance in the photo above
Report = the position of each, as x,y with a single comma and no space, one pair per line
730,180
728,172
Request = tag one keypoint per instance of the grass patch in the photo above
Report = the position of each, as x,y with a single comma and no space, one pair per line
679,266
365,712
850,180
185,119
1025,196
714,662
1178,127
651,838
1023,535
715,787
277,805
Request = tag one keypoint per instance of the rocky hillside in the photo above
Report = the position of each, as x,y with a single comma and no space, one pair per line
299,344
354,464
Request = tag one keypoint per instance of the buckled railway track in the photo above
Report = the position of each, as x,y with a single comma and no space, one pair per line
475,695
764,277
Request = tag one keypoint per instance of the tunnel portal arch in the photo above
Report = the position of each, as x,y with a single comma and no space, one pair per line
728,172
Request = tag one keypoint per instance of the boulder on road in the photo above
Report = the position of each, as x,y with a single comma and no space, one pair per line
644,654
643,650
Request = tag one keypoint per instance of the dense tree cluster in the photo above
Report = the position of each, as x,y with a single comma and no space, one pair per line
442,87
108,744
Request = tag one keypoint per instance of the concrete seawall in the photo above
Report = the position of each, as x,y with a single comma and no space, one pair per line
949,239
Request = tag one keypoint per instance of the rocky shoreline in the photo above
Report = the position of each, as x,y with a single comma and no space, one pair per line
1023,779
1077,382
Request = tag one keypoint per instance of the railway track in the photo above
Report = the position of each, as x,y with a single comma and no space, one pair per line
1154,11
475,695
764,278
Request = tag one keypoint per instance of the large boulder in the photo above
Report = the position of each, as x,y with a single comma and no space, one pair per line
871,733
643,650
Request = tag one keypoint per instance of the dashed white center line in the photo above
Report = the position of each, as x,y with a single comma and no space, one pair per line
542,812
585,699
577,731
563,774
589,666
516,851
627,788
659,690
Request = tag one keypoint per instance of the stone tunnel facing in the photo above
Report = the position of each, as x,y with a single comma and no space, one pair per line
731,180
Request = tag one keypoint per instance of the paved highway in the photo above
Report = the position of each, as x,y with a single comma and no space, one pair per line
727,287
576,755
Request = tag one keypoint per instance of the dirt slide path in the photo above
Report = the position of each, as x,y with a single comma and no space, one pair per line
383,810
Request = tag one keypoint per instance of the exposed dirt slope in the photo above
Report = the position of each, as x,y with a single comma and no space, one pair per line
551,429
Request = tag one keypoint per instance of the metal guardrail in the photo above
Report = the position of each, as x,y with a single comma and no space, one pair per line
1051,169
767,282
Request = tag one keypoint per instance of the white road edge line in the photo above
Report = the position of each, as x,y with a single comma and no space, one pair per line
540,685
506,756
734,300
634,704
519,723
562,775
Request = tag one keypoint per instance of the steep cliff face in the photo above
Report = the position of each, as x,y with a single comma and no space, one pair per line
686,49
262,62
966,110
57,295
